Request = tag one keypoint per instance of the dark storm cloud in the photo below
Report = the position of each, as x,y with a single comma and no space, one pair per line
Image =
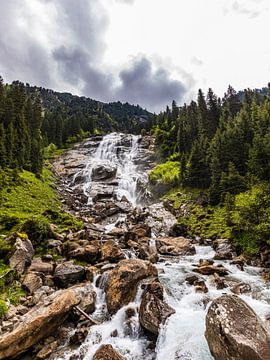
144,85
66,52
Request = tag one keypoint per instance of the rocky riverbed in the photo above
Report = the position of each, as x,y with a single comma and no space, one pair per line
124,287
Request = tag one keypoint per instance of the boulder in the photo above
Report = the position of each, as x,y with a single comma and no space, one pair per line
103,172
175,246
32,282
211,269
153,310
89,253
40,322
123,280
107,352
40,266
241,288
224,249
67,274
235,332
22,253
111,251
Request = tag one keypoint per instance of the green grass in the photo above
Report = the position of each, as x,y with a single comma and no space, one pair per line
166,173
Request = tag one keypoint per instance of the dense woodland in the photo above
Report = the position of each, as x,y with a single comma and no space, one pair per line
32,118
221,144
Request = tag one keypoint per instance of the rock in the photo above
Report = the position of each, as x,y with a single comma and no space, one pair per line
47,350
89,253
67,274
241,288
175,246
103,172
200,286
205,262
22,253
32,282
39,266
211,269
235,332
107,352
140,231
191,278
111,251
148,252
40,322
153,312
123,280
224,250
220,284
54,243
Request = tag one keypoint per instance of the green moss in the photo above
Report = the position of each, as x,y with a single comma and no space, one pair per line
3,309
167,173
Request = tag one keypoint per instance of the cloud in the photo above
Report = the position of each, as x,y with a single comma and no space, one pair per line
145,85
244,8
60,44
196,61
126,1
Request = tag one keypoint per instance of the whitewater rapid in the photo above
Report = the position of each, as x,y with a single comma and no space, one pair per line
182,336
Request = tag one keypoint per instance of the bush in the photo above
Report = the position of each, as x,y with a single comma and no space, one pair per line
3,309
167,173
37,229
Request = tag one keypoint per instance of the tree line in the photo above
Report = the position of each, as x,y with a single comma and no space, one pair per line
222,145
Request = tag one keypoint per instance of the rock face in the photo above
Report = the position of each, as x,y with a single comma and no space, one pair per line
40,322
153,310
67,274
22,254
107,352
175,246
103,172
234,331
123,280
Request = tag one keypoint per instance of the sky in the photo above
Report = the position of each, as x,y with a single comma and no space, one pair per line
145,52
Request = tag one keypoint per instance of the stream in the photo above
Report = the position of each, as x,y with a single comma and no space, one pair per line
182,336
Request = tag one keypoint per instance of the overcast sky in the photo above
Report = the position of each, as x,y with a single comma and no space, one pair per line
141,51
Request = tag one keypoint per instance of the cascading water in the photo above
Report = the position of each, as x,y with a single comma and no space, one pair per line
182,336
115,151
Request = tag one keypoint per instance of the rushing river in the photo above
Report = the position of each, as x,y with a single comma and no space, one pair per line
182,337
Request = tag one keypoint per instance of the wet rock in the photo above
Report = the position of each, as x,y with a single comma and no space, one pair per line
224,249
103,172
220,284
241,288
123,280
22,253
41,267
111,251
148,252
205,262
235,332
39,322
175,246
200,286
140,231
153,312
67,274
211,269
191,278
107,352
81,333
32,282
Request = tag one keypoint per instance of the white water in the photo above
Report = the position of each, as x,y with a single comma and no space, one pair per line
182,337
113,152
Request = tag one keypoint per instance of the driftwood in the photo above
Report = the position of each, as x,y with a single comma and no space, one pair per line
86,315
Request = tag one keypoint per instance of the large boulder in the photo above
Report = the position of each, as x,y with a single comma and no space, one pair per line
235,332
68,274
110,251
22,252
89,253
41,321
103,172
211,270
224,249
153,310
175,246
42,267
107,352
32,282
123,280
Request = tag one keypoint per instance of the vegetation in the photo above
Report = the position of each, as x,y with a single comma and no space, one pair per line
222,151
